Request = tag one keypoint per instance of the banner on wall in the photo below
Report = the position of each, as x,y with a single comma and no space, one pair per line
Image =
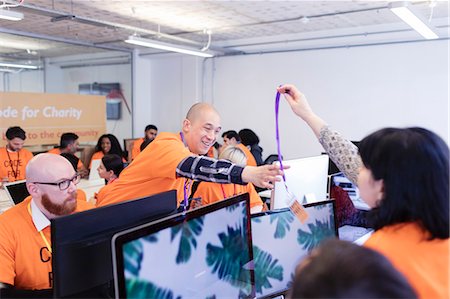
44,116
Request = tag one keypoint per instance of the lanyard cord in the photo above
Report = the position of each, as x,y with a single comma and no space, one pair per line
49,248
15,173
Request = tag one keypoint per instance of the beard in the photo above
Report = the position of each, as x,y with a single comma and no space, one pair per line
65,208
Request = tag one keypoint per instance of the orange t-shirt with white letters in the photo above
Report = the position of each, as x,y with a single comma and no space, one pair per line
12,164
25,261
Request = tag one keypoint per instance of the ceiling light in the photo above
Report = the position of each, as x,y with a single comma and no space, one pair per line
403,12
19,66
10,15
135,40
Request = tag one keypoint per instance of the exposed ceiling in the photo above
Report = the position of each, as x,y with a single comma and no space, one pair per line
64,27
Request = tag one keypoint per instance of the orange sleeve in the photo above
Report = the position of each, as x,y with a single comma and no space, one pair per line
55,151
81,195
136,148
209,192
250,159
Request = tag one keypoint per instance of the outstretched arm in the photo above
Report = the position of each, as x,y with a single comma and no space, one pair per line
343,153
207,169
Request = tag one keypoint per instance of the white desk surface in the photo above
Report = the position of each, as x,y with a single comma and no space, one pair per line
88,186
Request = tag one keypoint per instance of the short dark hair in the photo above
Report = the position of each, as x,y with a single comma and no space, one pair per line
414,166
248,137
66,139
116,148
15,132
340,269
150,127
113,162
72,159
231,134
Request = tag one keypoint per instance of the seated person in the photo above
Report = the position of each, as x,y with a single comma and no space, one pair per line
25,249
69,144
232,138
150,134
340,269
81,195
403,175
251,140
109,169
212,192
107,144
13,157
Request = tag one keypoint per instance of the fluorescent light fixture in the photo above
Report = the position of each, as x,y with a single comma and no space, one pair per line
10,15
18,66
136,40
401,9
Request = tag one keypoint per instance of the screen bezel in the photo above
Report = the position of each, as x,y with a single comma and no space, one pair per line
120,239
272,212
7,187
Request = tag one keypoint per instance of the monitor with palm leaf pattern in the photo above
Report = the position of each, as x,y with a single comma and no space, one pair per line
281,241
203,253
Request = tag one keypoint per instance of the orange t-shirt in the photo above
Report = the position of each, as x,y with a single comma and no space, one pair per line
213,192
12,164
250,159
136,148
153,171
100,196
25,261
57,151
424,263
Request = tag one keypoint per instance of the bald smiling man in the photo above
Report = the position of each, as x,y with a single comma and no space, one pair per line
173,160
25,248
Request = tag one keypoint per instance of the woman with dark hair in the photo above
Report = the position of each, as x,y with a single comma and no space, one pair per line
109,169
403,175
107,144
251,140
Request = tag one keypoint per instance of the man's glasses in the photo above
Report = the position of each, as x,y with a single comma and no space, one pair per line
63,185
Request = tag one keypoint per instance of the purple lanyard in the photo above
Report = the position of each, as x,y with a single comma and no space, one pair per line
277,105
185,188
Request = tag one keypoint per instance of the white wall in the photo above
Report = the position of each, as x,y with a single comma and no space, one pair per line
357,90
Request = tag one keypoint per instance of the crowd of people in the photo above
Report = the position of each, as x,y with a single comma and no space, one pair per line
402,174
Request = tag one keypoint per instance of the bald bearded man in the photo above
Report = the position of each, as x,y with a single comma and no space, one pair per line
173,161
25,248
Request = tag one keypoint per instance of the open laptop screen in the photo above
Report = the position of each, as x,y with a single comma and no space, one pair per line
281,241
17,191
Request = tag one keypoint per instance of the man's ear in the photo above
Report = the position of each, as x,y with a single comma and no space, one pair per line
186,125
33,189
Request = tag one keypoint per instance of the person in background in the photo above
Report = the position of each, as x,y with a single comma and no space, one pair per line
25,248
251,140
81,195
107,144
339,269
403,175
150,134
213,192
174,161
109,169
69,144
232,138
13,157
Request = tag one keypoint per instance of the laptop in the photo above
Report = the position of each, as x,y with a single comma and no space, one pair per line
16,191
93,173
306,178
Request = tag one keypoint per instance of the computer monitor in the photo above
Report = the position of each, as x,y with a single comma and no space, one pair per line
340,180
281,241
203,253
306,180
17,191
81,243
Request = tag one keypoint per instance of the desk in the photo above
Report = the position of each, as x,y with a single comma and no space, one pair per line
88,186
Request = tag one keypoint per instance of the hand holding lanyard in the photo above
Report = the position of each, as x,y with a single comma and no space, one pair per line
296,208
